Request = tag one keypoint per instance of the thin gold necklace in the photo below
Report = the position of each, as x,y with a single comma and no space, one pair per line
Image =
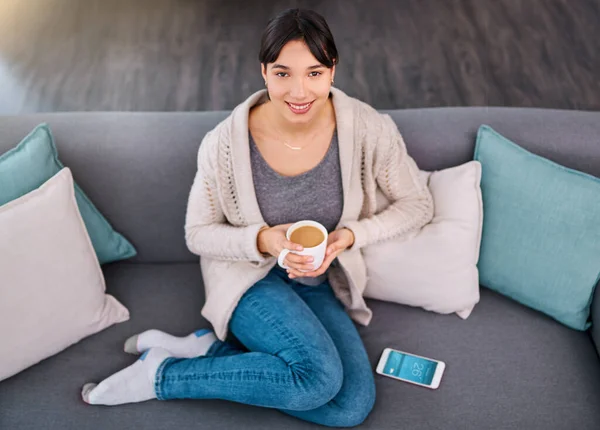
295,148
299,148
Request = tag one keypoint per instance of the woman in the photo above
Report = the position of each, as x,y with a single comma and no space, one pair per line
299,149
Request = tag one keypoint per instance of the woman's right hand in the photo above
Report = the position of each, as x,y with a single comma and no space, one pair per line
272,241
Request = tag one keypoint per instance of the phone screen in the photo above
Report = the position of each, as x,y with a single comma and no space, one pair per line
415,369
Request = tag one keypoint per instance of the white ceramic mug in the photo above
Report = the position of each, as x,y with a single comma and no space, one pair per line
316,252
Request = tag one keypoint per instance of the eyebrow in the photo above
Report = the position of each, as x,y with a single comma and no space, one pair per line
281,66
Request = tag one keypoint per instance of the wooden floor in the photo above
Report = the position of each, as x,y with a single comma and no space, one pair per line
171,55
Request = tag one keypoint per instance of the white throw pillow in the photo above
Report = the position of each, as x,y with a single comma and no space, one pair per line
436,267
51,286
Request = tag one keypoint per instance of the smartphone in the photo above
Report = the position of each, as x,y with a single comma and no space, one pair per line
411,368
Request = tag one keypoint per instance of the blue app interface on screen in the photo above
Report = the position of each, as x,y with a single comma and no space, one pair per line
414,369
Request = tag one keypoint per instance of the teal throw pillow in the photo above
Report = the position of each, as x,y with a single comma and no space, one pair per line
541,230
35,160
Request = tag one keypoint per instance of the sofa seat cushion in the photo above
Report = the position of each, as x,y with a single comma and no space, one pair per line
507,367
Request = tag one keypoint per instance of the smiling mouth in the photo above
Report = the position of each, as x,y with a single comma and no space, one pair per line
300,108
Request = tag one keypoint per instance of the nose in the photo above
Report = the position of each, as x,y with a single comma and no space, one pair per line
297,91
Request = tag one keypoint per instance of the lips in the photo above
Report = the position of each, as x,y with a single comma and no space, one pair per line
300,108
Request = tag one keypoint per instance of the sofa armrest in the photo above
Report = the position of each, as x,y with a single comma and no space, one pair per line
596,318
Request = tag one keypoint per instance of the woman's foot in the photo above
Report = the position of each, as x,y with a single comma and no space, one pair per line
130,385
193,345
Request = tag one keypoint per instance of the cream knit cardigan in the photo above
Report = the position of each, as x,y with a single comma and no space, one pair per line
223,217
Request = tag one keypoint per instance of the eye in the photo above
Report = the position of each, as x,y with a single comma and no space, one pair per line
281,74
314,74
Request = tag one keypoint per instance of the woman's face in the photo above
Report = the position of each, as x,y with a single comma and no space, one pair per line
298,84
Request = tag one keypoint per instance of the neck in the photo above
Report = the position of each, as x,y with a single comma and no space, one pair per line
296,130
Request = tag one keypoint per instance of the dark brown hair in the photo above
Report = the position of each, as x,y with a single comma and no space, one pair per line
298,24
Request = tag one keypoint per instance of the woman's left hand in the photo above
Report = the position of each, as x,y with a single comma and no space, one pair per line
337,242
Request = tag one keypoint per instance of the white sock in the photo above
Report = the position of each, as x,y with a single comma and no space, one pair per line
130,385
190,346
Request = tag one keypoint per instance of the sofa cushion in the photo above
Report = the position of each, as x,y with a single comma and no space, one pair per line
435,267
507,367
52,292
541,242
35,160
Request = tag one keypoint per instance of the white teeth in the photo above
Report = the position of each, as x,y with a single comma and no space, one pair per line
300,107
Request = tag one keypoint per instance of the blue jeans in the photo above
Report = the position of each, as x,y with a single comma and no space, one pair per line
299,352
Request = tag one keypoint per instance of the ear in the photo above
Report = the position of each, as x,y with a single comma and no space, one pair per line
263,71
333,72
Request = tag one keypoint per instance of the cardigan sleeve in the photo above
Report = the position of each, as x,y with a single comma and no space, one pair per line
207,232
396,174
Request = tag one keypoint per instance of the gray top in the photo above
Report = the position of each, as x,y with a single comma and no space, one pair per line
316,194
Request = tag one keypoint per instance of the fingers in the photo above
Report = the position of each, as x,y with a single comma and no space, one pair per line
299,259
299,262
292,246
279,242
313,274
308,273
331,248
286,244
337,246
302,272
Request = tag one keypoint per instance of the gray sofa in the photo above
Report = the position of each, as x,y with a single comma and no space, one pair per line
508,367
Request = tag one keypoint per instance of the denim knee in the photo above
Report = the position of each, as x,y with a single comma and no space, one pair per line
320,377
353,404
354,413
